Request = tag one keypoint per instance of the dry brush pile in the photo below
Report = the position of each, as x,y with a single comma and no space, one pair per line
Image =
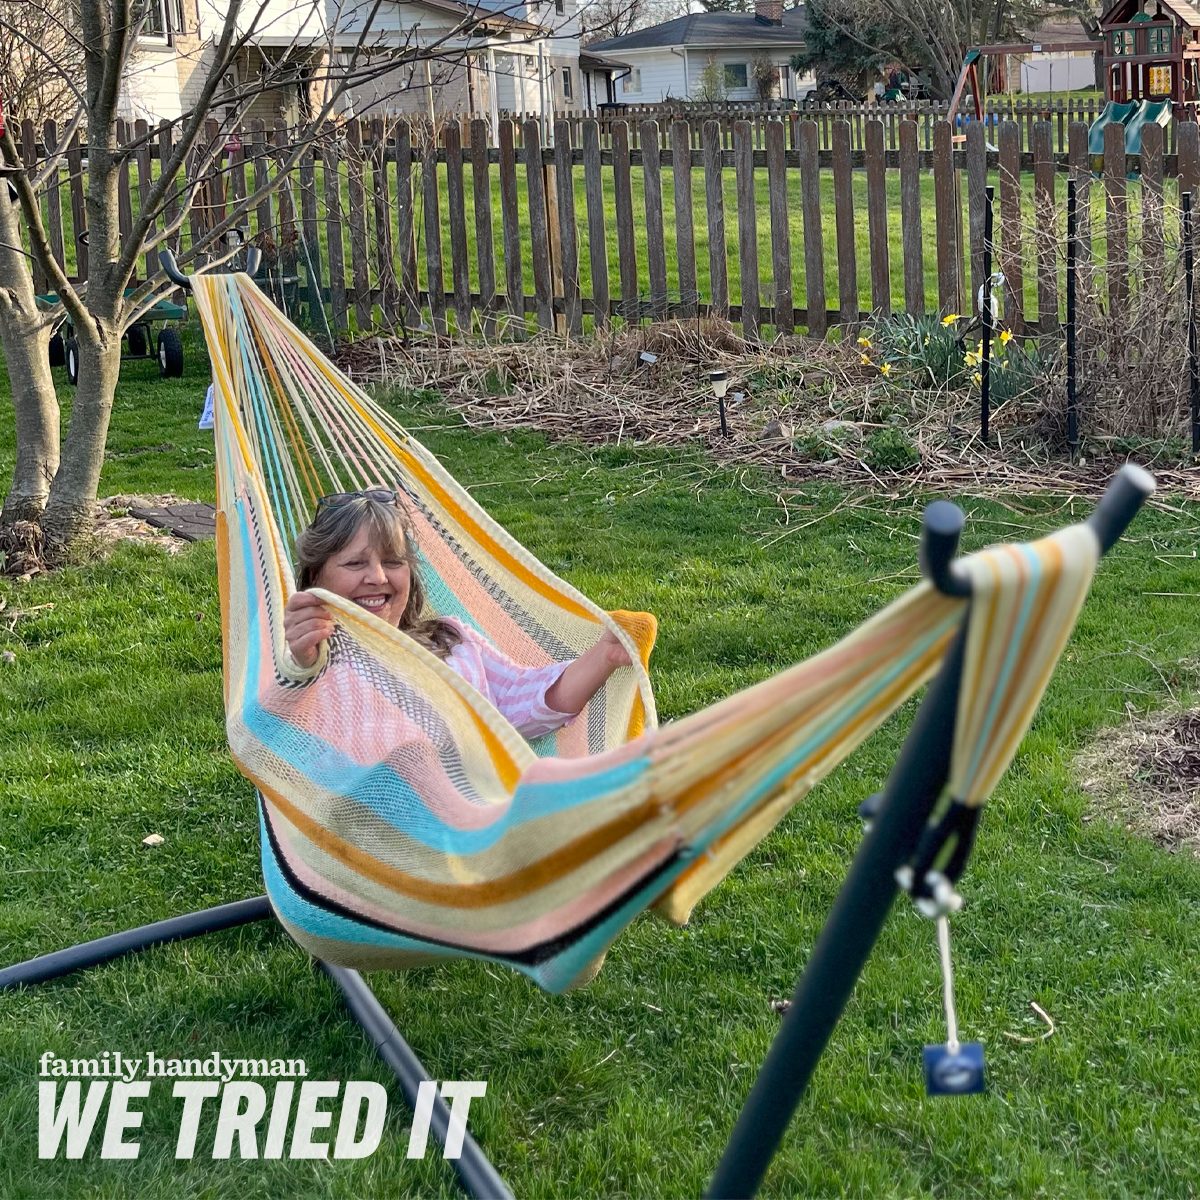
894,405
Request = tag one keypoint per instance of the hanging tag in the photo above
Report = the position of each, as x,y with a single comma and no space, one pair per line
954,1072
956,1068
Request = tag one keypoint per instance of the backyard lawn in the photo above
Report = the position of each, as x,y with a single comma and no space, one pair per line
628,1087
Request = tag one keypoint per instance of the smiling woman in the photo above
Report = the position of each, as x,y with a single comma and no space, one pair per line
361,546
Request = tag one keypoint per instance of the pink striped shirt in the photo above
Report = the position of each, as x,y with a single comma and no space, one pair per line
518,692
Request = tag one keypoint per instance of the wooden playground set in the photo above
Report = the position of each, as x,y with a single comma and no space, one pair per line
1149,60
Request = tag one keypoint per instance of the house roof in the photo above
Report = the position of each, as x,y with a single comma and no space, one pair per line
1061,27
1124,10
597,62
713,29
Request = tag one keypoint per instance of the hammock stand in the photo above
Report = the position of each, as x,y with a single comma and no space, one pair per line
897,834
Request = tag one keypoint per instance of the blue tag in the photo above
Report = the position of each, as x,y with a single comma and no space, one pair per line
958,1074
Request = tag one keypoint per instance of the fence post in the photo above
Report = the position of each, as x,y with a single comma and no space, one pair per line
1072,232
1193,365
985,321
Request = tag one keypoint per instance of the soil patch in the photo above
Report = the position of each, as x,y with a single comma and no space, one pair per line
1147,776
167,521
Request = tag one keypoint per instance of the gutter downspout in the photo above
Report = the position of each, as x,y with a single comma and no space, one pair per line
493,88
687,90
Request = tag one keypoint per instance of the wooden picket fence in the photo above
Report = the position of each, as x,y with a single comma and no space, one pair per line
392,226
1060,114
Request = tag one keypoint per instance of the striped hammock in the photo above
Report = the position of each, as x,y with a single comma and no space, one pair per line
404,820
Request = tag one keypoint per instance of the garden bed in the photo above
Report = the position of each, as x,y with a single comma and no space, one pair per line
896,408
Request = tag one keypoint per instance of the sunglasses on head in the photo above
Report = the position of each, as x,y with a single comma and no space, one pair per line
338,499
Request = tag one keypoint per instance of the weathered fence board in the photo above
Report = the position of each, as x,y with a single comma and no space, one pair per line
354,199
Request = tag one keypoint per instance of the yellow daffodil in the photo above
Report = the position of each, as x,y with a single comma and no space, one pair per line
865,343
972,358
865,359
977,379
950,318
886,369
1005,336
926,339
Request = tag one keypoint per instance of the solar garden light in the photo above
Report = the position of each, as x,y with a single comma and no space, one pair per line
720,385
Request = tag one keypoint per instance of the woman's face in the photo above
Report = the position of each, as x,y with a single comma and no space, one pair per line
374,579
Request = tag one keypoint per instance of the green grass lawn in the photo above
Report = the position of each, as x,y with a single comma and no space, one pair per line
629,1087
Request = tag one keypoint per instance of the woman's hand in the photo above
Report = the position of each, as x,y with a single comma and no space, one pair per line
612,652
587,675
306,625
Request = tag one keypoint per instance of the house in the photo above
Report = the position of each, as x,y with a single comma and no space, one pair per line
710,56
425,57
1054,70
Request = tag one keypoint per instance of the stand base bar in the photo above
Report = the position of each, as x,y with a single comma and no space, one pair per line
476,1174
102,950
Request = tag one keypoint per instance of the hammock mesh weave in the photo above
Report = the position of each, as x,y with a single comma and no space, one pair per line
403,819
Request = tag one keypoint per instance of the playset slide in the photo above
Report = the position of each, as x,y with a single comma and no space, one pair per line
1135,116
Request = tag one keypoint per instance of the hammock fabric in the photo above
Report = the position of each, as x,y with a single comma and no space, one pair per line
404,820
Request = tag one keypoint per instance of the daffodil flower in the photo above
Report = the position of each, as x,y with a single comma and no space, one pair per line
886,369
951,318
1005,336
865,359
865,343
977,379
972,358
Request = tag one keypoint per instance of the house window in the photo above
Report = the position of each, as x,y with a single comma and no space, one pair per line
162,18
633,82
737,75
560,6
567,89
1158,39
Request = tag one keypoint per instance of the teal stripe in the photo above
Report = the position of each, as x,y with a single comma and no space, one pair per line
1010,658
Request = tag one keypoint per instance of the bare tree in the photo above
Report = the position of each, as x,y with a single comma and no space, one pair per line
41,58
931,36
59,489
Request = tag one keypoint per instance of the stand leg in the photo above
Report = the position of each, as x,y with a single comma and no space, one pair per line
477,1176
174,929
847,939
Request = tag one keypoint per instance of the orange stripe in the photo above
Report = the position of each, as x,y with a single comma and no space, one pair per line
506,889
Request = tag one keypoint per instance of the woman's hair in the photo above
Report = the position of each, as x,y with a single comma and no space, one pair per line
391,533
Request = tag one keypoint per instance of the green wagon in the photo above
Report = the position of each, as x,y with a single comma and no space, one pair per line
140,340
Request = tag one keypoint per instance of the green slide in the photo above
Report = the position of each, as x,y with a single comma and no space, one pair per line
1147,112
1135,116
1113,114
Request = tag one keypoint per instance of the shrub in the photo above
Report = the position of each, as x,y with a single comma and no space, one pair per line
890,450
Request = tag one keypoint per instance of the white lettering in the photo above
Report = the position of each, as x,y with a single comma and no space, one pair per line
310,1118
120,1118
455,1090
375,1096
193,1096
53,1118
242,1121
418,1138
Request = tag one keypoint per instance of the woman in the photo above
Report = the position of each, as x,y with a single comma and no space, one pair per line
360,546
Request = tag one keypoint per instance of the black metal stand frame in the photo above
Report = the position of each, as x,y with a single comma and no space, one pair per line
914,788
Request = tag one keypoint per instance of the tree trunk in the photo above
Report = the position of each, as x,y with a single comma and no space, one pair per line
25,338
71,507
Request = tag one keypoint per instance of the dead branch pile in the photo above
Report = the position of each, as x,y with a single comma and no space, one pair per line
805,409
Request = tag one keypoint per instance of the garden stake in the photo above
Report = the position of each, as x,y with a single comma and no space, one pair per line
985,320
1189,276
1072,415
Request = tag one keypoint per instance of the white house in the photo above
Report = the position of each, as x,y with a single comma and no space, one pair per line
436,57
710,56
